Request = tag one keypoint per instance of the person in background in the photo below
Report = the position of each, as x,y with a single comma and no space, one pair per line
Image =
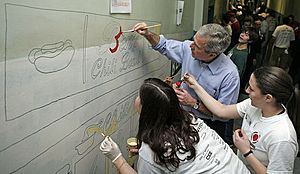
294,70
225,22
281,41
295,25
239,53
253,59
267,141
203,57
260,26
272,23
171,139
236,29
260,8
248,21
265,50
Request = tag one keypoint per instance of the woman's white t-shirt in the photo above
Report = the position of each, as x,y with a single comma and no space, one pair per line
274,138
213,155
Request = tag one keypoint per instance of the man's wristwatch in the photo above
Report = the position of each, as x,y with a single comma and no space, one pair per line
196,105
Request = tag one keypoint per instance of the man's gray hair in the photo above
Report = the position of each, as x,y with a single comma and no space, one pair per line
218,38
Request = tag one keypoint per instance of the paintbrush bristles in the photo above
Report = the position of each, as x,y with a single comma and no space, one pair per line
152,26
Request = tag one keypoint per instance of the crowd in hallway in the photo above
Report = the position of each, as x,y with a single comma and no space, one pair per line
277,43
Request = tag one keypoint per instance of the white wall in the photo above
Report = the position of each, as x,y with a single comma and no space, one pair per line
61,86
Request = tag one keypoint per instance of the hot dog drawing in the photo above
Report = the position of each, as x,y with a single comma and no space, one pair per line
52,57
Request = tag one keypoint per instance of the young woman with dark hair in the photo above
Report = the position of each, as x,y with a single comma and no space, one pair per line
173,140
163,125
